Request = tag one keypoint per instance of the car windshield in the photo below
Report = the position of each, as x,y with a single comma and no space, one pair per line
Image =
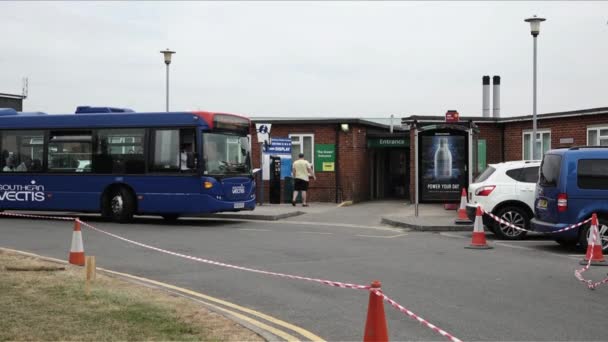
226,154
485,174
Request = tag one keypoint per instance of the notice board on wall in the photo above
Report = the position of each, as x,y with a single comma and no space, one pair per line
325,157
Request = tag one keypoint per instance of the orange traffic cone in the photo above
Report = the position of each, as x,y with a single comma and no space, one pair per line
375,327
479,236
462,217
77,249
594,253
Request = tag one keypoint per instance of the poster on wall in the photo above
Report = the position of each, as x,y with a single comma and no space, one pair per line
279,147
443,173
325,158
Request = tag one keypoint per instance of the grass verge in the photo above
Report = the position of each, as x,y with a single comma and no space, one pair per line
51,306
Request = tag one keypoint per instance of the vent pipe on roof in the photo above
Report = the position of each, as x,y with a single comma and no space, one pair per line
496,97
486,96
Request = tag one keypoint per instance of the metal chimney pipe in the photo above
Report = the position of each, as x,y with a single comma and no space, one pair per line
485,81
496,96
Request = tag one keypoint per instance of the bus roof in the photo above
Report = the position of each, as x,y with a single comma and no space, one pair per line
110,117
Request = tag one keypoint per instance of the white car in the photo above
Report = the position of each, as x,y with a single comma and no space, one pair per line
507,191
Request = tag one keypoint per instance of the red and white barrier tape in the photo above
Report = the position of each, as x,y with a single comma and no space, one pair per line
211,262
378,292
499,220
37,216
579,273
412,315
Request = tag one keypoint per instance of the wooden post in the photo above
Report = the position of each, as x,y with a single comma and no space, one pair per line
94,268
90,273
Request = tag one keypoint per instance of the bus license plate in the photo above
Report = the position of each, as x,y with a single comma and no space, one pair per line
542,203
239,205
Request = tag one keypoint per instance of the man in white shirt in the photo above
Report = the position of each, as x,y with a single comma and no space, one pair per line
301,172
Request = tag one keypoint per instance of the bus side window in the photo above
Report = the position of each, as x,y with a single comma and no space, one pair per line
21,151
70,151
120,150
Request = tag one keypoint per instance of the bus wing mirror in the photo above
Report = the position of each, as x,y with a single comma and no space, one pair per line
255,171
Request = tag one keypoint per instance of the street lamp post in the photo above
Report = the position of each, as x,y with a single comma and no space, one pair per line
167,53
535,30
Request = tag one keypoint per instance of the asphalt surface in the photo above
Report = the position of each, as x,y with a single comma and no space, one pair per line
518,291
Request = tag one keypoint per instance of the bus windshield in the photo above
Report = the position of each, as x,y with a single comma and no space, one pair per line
226,154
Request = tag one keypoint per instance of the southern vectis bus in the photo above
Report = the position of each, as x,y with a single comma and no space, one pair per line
122,163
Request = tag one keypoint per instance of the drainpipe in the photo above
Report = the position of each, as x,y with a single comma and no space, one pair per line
503,142
337,164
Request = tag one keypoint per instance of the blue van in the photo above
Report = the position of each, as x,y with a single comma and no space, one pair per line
573,184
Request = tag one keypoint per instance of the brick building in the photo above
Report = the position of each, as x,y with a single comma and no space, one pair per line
509,138
370,161
373,163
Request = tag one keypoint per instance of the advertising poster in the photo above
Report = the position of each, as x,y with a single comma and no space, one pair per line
325,158
443,157
279,147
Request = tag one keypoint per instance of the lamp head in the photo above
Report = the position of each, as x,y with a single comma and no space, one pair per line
167,53
535,25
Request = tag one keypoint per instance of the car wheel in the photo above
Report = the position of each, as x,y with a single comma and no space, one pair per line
586,231
516,216
120,205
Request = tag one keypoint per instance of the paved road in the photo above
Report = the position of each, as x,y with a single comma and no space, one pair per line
518,291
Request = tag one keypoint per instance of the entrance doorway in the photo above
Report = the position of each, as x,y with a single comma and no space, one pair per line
389,170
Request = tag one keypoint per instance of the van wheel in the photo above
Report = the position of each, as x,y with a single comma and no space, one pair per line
516,216
585,231
120,205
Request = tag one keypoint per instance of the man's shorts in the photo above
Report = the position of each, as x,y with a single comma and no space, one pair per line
300,185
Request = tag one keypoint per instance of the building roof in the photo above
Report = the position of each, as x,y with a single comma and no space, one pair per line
12,96
372,122
480,119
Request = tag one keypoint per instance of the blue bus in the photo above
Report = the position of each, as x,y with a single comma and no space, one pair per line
122,163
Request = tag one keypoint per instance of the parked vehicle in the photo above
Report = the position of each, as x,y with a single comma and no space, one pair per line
507,191
573,184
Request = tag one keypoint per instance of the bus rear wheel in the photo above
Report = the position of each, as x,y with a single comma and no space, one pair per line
120,205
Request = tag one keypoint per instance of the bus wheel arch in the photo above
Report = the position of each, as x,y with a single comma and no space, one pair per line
119,203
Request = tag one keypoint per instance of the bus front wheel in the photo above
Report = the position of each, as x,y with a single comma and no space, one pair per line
120,205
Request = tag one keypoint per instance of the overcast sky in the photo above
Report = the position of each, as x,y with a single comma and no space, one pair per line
357,59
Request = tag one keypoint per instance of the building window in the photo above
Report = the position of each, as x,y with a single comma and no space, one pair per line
303,143
597,136
543,143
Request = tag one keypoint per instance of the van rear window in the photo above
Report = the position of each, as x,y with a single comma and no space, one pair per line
549,170
593,174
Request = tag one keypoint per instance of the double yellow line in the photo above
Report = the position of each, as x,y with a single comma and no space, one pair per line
231,309
279,328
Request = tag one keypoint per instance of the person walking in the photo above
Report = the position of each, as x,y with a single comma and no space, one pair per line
301,171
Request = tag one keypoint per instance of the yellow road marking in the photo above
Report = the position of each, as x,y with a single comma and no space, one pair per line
276,321
261,325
